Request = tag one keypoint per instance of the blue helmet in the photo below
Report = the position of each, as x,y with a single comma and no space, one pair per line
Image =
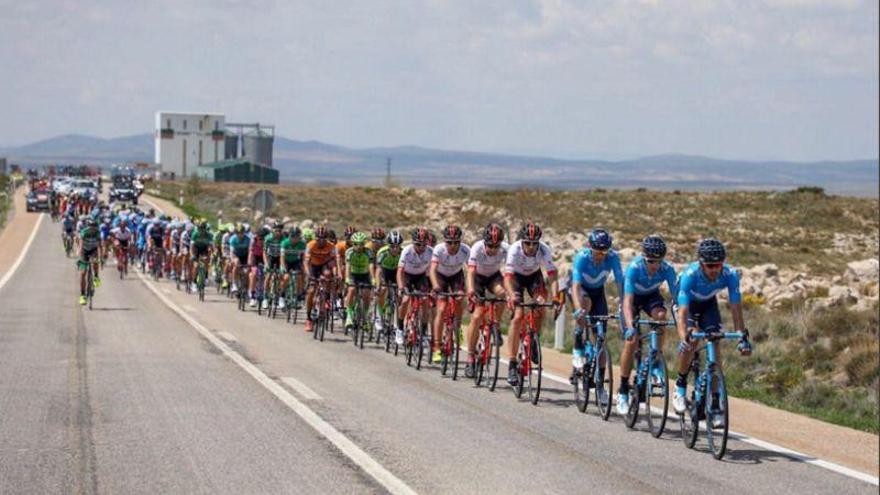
711,250
654,247
600,239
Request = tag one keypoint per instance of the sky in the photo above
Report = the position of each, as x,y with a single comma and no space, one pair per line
744,79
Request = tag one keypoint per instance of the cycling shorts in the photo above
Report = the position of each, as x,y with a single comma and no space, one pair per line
198,252
274,262
598,302
533,284
647,303
389,277
242,257
704,315
417,282
315,271
360,278
484,282
452,283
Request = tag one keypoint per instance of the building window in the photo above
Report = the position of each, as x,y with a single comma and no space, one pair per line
168,124
201,124
216,125
184,124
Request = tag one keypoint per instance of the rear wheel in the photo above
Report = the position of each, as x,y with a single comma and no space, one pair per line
716,411
657,395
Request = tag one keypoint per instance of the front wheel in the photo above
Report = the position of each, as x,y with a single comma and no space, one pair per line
689,420
657,393
603,378
717,414
632,413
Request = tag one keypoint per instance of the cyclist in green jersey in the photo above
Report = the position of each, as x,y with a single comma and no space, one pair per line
89,240
385,271
292,250
357,271
200,243
272,259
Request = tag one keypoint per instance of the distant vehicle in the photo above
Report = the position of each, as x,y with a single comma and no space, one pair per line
62,184
38,200
85,187
124,191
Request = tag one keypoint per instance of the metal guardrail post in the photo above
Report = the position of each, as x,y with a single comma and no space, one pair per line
559,340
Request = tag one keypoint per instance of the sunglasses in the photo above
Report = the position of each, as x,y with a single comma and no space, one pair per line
530,243
493,246
417,244
599,251
713,266
453,243
654,261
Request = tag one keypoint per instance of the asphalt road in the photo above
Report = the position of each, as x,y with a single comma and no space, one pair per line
131,398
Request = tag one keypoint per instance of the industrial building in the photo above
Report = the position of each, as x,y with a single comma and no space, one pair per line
187,141
238,170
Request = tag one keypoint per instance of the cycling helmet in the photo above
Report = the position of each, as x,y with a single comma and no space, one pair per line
711,251
530,232
294,232
263,232
189,227
308,235
349,231
493,234
277,226
359,238
432,239
654,247
378,234
420,236
600,239
321,233
240,229
91,222
394,238
203,225
331,236
452,233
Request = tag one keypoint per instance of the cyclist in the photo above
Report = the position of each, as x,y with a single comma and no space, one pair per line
698,308
105,229
121,237
155,244
272,261
522,273
200,241
357,271
376,242
447,275
411,271
641,292
255,261
342,246
385,274
67,225
589,272
320,258
484,273
89,252
239,249
292,250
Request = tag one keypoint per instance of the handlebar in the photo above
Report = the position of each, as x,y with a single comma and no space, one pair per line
450,294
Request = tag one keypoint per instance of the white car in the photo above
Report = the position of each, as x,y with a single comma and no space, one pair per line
62,185
85,187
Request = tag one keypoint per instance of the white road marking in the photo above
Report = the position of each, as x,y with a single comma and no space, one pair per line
301,388
384,477
24,251
188,308
228,337
793,454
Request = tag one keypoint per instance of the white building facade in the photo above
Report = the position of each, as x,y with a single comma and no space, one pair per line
186,140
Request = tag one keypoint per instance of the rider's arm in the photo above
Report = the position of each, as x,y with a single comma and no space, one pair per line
683,300
628,295
628,311
400,277
469,279
432,274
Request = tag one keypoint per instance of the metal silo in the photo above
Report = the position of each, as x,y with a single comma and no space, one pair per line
257,147
231,147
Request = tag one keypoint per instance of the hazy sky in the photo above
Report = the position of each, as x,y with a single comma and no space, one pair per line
787,79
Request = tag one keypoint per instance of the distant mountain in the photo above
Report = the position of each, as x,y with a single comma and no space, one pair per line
318,162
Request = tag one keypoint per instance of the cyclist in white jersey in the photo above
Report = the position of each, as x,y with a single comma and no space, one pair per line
412,271
447,275
485,263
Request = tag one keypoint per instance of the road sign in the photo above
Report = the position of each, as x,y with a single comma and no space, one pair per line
264,201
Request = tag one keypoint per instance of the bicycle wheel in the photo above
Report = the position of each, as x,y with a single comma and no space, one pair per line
657,394
420,347
456,349
635,390
716,410
536,370
581,387
326,321
521,356
445,349
360,323
494,362
481,356
689,420
410,342
603,379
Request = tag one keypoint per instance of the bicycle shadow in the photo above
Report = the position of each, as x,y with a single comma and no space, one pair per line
757,456
95,308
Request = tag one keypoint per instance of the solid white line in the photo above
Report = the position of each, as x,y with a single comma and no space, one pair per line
188,308
391,483
793,454
23,253
228,337
301,388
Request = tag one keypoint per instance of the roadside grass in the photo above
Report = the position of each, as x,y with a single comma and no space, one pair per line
824,364
5,199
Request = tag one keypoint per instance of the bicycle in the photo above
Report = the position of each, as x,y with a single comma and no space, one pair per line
597,372
201,277
651,380
90,282
488,351
156,258
389,318
360,314
291,295
325,309
707,399
450,340
67,240
416,328
273,292
121,261
241,277
530,365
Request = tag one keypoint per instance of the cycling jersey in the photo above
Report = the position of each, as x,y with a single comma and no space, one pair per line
184,238
200,239
638,282
386,259
592,276
414,263
240,245
257,248
358,263
273,245
68,225
90,237
521,264
341,247
218,239
122,234
450,264
320,255
693,286
484,264
291,251
105,231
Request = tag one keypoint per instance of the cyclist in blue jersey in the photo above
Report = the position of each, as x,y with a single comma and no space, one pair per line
589,272
239,247
641,292
698,307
